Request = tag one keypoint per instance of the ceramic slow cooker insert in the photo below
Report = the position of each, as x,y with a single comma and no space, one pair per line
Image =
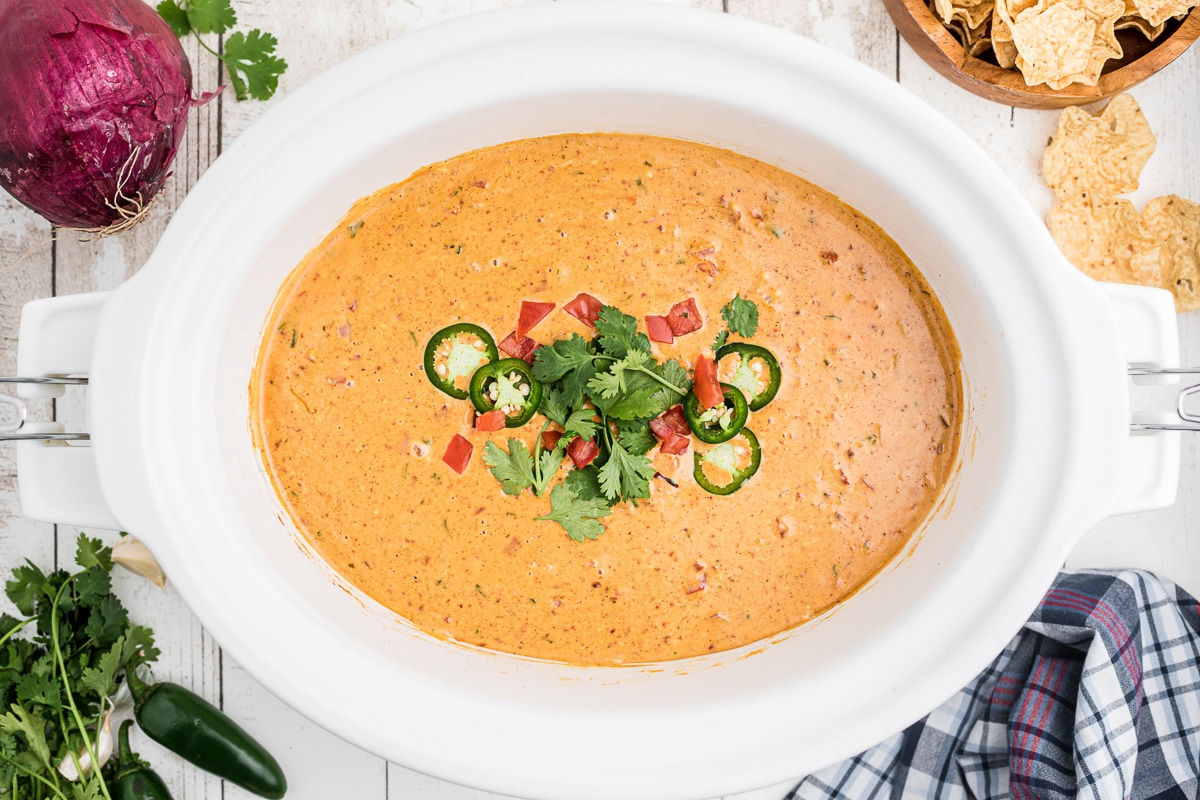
1045,453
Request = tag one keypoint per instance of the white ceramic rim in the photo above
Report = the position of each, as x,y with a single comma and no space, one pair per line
651,742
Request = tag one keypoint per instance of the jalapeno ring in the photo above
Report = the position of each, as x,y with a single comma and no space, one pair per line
507,384
729,457
454,352
720,423
745,377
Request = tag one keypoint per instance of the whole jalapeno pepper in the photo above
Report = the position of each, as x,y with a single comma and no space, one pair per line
737,459
759,385
454,353
721,422
193,728
509,385
134,780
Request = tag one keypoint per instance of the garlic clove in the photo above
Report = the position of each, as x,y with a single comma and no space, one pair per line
104,750
137,558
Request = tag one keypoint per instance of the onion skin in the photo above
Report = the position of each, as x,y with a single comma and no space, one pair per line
94,96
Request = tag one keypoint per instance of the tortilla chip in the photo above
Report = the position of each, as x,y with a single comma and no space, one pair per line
1174,225
1100,236
1053,43
1060,42
1156,12
1101,155
1002,41
1151,32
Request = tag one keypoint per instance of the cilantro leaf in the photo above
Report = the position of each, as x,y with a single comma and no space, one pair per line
581,423
92,585
547,468
175,16
719,342
619,334
569,361
31,725
579,518
741,316
554,407
584,483
624,475
39,685
92,553
210,16
636,405
606,385
514,469
636,437
253,69
107,621
674,373
139,647
27,586
101,679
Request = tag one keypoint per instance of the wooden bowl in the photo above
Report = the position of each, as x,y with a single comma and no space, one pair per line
940,49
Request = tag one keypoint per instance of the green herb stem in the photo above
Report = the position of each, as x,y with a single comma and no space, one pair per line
57,791
9,635
66,684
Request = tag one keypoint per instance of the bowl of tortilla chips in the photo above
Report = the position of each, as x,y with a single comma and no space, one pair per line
1047,53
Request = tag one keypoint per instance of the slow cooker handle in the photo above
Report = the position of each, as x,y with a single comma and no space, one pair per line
57,476
1147,322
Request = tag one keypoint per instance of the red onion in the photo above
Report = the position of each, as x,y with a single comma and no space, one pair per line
94,96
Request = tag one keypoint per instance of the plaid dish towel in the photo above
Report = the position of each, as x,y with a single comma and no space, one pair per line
1097,697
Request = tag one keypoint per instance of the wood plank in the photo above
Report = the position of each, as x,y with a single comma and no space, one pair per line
26,273
318,765
860,29
189,655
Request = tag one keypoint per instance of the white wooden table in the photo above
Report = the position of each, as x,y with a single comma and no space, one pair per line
315,34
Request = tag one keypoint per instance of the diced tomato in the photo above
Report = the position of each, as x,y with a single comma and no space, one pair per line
705,383
584,308
518,347
674,417
659,330
531,314
672,430
676,445
583,451
458,454
491,421
550,439
662,429
684,317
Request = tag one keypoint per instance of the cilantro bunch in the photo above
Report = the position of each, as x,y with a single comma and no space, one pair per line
606,390
254,70
59,665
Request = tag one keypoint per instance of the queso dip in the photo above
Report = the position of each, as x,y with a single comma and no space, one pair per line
856,447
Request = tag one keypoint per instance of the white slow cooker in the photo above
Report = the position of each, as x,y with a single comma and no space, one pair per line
1046,452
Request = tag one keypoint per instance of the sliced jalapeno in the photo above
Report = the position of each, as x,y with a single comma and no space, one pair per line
755,371
721,422
509,385
453,355
723,469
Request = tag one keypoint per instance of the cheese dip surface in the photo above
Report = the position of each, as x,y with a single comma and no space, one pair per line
855,448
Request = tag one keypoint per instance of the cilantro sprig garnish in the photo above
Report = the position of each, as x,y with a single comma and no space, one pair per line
59,666
254,69
741,318
579,518
606,390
